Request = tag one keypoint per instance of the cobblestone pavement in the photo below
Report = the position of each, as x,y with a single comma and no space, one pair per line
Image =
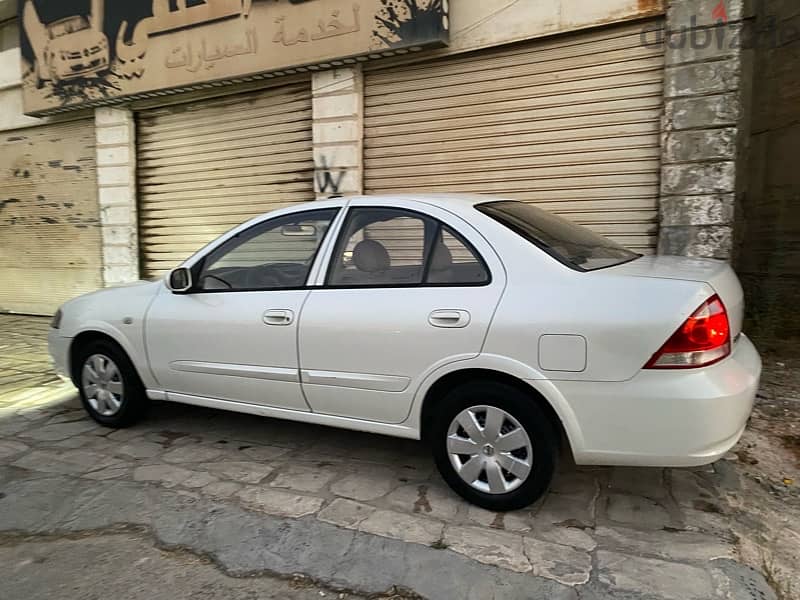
355,512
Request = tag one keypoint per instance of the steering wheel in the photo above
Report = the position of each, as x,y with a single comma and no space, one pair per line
262,276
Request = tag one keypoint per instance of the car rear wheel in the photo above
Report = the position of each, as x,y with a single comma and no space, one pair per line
110,388
494,446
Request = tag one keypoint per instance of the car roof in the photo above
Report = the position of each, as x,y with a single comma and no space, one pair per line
443,200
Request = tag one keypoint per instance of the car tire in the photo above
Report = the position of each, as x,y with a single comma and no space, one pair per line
109,386
527,444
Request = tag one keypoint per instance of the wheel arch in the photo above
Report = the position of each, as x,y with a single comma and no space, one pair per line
86,337
566,428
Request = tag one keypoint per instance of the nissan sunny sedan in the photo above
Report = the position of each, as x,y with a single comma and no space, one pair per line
497,332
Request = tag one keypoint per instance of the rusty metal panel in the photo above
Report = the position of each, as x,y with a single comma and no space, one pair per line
207,166
50,237
570,123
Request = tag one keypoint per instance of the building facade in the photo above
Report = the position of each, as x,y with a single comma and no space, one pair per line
130,139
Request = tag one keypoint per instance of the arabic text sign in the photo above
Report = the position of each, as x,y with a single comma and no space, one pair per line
82,52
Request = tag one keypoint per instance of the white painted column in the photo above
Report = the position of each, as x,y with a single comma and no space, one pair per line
116,181
338,121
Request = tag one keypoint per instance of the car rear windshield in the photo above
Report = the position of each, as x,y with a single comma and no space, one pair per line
572,244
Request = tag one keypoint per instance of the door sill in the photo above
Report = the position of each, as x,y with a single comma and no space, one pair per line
402,431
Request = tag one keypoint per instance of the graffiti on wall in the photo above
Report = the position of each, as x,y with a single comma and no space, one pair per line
328,179
79,52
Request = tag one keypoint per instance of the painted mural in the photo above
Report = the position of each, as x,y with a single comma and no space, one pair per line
87,52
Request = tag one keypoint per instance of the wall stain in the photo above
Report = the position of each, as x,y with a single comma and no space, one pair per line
9,201
649,7
40,198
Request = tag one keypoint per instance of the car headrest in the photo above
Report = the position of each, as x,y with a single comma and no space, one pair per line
442,258
370,256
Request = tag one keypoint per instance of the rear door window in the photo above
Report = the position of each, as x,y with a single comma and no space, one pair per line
572,244
389,247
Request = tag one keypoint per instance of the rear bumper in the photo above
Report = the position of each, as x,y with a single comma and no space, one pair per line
666,418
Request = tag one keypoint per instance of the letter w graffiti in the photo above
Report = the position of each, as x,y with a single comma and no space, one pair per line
327,182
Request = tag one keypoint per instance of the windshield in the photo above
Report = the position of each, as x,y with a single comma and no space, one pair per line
572,244
67,26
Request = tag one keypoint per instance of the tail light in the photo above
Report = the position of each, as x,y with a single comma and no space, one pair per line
703,339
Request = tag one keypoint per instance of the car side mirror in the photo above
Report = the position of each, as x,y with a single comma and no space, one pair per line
179,280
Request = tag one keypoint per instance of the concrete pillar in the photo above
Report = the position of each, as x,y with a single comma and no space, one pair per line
338,98
704,127
116,181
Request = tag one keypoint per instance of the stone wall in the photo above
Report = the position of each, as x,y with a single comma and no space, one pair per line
338,121
704,130
116,181
767,241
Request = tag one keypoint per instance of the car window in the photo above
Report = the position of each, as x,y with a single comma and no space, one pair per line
570,243
277,254
454,263
395,247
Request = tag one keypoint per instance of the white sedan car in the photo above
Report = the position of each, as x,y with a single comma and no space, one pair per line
492,329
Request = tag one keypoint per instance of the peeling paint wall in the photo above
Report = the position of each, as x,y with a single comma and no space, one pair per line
767,241
49,218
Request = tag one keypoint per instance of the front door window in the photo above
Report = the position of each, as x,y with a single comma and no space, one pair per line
274,255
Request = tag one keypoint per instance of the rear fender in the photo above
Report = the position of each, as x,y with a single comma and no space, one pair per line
505,366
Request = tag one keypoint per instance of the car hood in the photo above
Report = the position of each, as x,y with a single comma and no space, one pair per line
78,41
117,289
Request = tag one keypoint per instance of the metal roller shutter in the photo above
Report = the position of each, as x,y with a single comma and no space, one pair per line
208,166
50,239
571,124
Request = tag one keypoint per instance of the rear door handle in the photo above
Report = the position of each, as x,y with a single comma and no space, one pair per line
453,319
279,317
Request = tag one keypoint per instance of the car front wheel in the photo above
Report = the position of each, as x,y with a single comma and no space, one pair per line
494,445
110,388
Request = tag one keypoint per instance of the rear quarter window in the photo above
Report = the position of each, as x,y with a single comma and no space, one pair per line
574,245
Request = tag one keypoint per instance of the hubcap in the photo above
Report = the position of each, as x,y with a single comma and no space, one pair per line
102,385
489,449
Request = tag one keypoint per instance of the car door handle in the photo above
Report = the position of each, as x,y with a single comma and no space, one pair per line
279,317
454,319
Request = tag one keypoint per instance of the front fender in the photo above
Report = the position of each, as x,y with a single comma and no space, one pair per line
118,313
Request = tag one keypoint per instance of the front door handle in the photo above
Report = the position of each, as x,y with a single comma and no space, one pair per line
279,317
453,319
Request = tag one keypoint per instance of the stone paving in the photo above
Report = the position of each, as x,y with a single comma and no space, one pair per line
599,532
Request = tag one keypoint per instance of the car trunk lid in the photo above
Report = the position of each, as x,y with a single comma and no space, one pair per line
716,273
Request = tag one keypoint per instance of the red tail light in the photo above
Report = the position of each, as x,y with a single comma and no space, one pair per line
703,339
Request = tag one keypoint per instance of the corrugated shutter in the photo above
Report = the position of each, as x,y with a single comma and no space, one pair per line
571,124
208,166
50,239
